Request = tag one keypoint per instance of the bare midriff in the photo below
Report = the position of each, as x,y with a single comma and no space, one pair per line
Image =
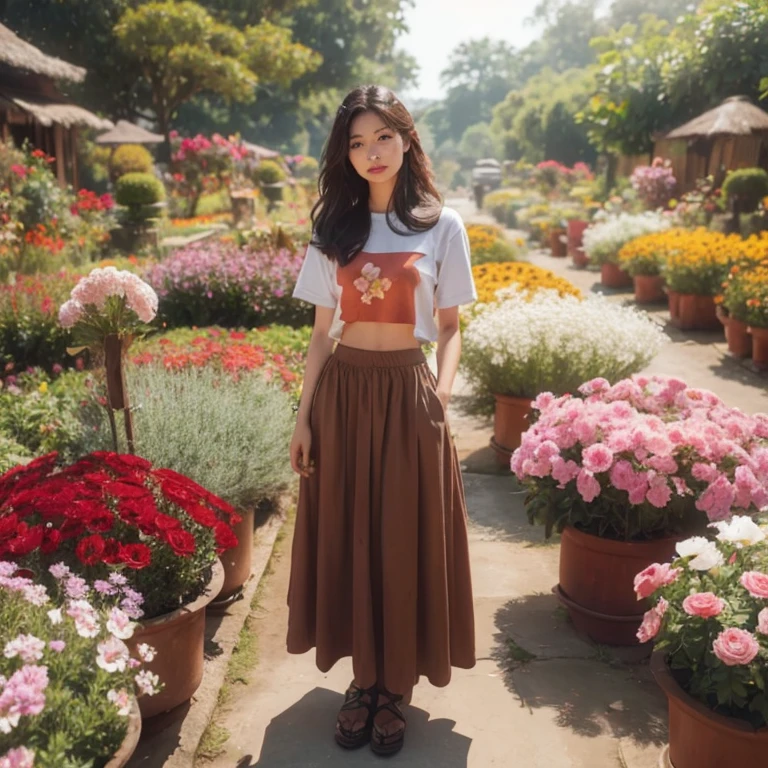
379,337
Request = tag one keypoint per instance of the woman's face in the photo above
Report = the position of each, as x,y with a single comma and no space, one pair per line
375,150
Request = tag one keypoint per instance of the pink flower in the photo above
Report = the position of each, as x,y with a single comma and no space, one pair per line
703,604
755,583
20,757
735,647
653,577
70,313
27,647
718,499
659,492
597,458
597,386
57,645
762,622
652,621
587,486
564,471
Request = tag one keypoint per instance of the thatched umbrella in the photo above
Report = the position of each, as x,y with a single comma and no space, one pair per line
128,133
736,116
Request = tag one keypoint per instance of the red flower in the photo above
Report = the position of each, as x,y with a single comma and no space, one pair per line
27,540
71,529
51,541
8,525
90,549
181,542
111,554
225,537
136,556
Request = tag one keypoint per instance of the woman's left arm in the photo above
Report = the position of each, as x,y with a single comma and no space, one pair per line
448,351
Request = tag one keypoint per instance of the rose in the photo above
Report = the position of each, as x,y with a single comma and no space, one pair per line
762,622
653,577
755,583
735,647
703,604
652,621
181,542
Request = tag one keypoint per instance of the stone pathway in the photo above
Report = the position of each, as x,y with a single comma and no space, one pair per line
540,696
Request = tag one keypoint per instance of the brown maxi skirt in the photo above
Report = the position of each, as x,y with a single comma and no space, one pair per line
380,561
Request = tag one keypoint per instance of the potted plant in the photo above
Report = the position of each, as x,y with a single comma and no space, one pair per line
141,196
625,470
271,178
605,238
110,512
527,343
709,624
68,680
745,300
642,258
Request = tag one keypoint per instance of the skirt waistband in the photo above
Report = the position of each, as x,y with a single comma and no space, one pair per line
372,358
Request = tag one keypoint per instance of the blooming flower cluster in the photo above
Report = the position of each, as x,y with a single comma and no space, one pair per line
109,512
524,345
605,238
88,202
654,183
745,292
650,446
526,278
67,652
710,615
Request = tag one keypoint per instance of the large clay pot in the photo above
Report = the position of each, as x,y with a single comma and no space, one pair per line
613,276
700,738
736,334
649,289
178,638
597,583
759,347
580,259
131,740
237,562
696,313
510,420
576,229
557,242
674,306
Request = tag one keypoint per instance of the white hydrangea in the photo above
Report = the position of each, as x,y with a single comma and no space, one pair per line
603,241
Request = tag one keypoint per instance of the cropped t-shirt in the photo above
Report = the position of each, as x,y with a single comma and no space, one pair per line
395,278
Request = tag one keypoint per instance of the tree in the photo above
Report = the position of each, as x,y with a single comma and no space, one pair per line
478,142
631,11
183,51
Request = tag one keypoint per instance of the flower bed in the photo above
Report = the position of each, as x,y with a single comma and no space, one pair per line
523,345
217,283
640,458
489,244
605,238
489,278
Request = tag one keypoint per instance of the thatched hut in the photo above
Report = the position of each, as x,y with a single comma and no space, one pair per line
32,108
730,136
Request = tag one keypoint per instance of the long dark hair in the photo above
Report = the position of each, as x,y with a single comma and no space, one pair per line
341,220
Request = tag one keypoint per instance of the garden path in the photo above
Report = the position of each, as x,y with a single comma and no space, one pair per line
539,695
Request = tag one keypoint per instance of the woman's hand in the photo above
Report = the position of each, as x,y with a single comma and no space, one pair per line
301,443
445,398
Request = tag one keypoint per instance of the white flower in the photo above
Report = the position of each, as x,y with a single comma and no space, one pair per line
113,655
55,616
740,530
120,624
122,700
27,647
148,682
146,652
603,241
705,553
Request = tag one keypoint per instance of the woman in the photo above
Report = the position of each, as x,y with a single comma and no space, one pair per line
380,562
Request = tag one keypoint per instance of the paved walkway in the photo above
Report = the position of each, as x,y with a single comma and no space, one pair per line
539,697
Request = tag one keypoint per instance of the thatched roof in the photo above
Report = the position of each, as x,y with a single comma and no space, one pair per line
49,111
21,55
262,153
736,116
128,133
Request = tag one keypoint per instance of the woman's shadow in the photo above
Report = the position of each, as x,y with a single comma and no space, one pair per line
302,737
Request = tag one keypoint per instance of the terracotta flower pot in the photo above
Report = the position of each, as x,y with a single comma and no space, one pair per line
580,258
700,738
649,289
674,306
575,230
131,740
237,562
510,420
759,347
736,334
557,242
696,313
178,638
613,276
597,583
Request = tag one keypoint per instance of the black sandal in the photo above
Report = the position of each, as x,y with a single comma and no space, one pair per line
387,744
353,699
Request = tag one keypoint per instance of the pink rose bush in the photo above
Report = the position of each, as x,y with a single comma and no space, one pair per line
67,677
709,615
644,457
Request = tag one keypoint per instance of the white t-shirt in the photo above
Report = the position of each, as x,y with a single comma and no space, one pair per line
395,278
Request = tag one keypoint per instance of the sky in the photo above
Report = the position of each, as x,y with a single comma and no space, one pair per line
438,26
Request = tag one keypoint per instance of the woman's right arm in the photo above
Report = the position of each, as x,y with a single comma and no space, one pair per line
320,349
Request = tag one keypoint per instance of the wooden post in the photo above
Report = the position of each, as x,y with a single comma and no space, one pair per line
61,170
75,169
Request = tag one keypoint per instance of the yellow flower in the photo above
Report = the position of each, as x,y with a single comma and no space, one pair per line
493,276
43,388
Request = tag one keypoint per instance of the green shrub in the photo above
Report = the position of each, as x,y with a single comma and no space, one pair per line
229,434
11,453
307,168
130,158
503,205
269,172
139,189
748,185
